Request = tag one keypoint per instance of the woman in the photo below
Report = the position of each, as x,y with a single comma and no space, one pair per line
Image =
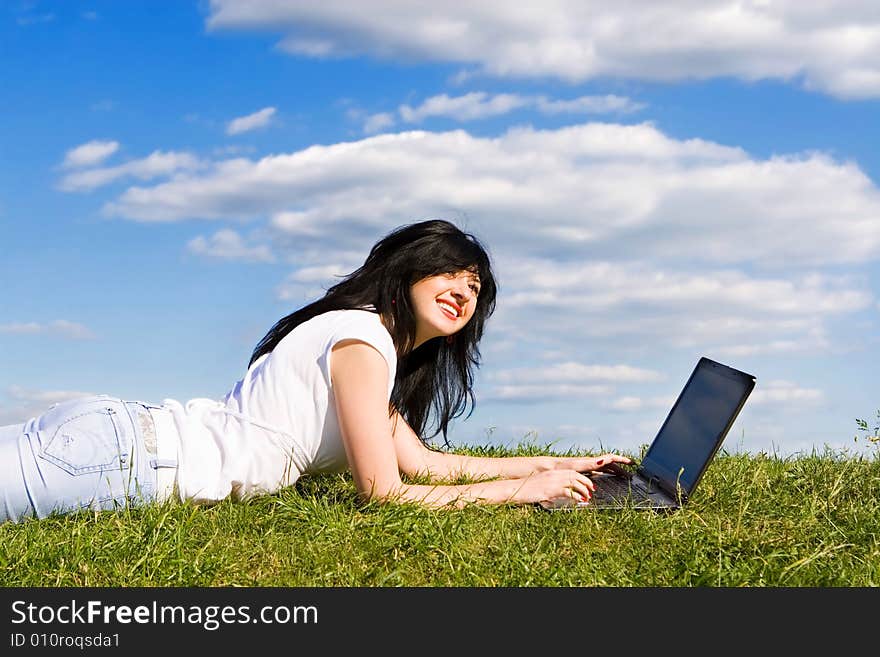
348,381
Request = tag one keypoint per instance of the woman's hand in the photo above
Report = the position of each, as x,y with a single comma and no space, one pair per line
565,478
589,464
552,484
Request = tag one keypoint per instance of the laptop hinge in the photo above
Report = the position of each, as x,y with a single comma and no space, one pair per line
660,485
671,492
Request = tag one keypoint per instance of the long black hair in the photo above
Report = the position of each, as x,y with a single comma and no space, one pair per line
436,379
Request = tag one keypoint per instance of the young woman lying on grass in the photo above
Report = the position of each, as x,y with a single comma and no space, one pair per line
348,381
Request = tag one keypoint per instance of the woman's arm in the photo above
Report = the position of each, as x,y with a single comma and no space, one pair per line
415,458
359,376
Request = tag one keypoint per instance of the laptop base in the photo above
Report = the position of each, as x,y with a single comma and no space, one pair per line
617,492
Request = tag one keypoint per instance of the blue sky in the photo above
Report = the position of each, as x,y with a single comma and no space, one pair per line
656,182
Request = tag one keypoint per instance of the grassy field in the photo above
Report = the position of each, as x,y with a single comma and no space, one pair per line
805,521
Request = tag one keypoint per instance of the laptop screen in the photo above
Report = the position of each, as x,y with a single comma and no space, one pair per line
697,424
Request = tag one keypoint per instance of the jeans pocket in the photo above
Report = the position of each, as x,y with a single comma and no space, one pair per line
85,442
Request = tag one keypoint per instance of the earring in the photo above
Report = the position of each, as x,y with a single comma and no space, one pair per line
449,339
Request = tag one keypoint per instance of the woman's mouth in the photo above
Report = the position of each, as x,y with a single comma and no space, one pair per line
449,309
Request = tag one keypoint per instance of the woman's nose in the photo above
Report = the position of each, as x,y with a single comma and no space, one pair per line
462,291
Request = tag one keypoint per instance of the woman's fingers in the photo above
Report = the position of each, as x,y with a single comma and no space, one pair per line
584,481
564,483
582,486
589,483
575,495
605,460
613,458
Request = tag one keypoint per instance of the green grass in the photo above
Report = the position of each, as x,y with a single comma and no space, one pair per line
811,520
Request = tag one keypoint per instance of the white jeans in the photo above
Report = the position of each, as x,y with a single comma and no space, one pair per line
96,452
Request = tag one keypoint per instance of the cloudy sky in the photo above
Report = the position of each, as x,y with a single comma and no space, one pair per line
655,181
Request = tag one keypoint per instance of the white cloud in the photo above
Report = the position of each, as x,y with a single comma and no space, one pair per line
591,226
22,328
475,105
573,371
258,119
480,105
70,329
311,281
561,381
23,404
536,393
784,392
604,285
607,104
232,149
626,189
639,306
228,245
830,47
89,154
156,165
47,397
561,436
378,122
319,274
59,327
629,403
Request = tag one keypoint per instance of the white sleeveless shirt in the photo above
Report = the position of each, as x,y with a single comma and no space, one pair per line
279,421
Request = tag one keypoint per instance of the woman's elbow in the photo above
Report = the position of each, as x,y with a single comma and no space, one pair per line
382,492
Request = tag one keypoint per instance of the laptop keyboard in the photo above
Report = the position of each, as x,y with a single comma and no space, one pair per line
615,488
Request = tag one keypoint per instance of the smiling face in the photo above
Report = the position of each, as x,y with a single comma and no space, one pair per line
443,304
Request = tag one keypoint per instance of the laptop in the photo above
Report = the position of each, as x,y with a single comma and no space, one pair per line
682,450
